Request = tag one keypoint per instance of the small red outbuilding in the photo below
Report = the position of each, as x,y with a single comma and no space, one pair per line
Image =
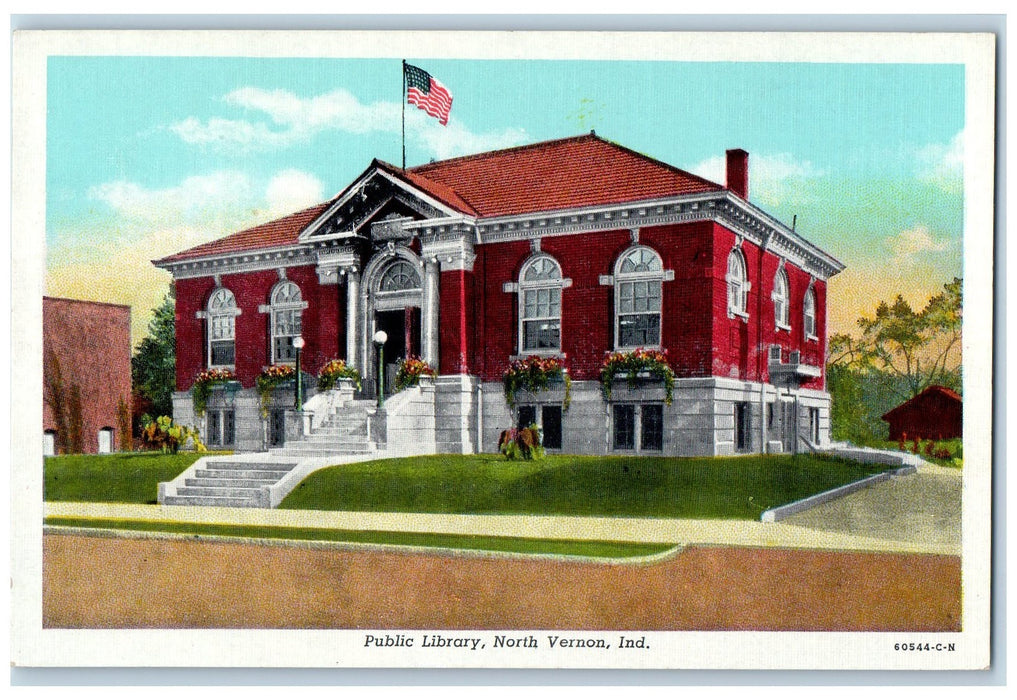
935,414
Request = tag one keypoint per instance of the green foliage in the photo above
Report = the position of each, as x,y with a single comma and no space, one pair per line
667,487
899,354
163,434
130,477
522,545
522,443
153,367
269,379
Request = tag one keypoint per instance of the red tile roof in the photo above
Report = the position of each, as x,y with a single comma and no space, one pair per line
273,234
562,174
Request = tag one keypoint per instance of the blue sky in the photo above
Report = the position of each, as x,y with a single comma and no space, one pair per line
149,155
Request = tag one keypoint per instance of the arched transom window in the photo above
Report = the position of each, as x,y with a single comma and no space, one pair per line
287,306
639,277
398,277
221,315
809,314
737,284
781,300
540,285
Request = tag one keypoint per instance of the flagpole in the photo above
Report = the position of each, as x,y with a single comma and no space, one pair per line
402,99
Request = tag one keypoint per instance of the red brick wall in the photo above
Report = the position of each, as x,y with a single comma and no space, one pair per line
91,342
741,347
457,315
323,322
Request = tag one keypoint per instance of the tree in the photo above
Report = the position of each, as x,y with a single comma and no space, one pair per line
153,367
920,348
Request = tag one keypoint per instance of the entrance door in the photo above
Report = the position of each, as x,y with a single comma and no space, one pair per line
403,329
105,441
789,425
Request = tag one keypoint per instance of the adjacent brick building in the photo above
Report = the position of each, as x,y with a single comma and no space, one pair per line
572,248
87,352
935,414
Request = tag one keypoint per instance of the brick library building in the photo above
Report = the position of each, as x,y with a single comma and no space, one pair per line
577,251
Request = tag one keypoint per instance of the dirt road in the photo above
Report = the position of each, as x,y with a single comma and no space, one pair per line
95,582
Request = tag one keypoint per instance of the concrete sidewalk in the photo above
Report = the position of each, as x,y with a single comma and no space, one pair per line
917,514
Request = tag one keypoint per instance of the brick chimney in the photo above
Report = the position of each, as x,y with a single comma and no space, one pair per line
738,172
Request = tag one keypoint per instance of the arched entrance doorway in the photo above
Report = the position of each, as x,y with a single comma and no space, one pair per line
394,288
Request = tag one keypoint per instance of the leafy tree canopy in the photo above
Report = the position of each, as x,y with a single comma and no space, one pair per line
153,367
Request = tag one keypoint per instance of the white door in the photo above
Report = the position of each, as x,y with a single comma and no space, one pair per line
105,441
48,444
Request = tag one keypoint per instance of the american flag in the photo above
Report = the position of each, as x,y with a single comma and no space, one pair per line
424,91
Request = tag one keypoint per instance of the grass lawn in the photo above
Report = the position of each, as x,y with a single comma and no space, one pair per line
464,542
130,477
709,487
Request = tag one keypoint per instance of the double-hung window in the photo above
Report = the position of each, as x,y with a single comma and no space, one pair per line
737,284
221,314
781,300
809,314
540,285
639,277
286,309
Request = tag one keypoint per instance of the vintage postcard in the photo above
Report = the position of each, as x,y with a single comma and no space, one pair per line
503,350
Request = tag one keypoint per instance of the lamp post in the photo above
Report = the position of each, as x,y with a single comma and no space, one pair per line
298,343
379,339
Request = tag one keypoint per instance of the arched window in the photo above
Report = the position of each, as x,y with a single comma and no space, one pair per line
809,314
737,284
105,439
638,285
781,300
540,285
287,306
399,276
221,315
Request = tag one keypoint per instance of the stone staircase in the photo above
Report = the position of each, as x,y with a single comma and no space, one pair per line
260,480
345,432
228,483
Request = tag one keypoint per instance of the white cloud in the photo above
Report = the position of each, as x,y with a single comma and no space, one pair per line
292,190
107,255
293,120
912,242
943,164
774,179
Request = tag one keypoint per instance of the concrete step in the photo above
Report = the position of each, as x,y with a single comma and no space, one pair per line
251,466
223,492
231,483
259,474
210,501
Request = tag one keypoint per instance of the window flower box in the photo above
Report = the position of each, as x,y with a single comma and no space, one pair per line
640,368
537,374
206,382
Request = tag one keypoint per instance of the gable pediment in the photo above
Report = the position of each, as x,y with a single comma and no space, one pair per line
375,198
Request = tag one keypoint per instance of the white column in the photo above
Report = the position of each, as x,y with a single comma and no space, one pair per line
352,315
429,313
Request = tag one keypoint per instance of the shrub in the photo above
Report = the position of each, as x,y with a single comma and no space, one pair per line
335,370
163,434
536,373
632,364
521,443
410,371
